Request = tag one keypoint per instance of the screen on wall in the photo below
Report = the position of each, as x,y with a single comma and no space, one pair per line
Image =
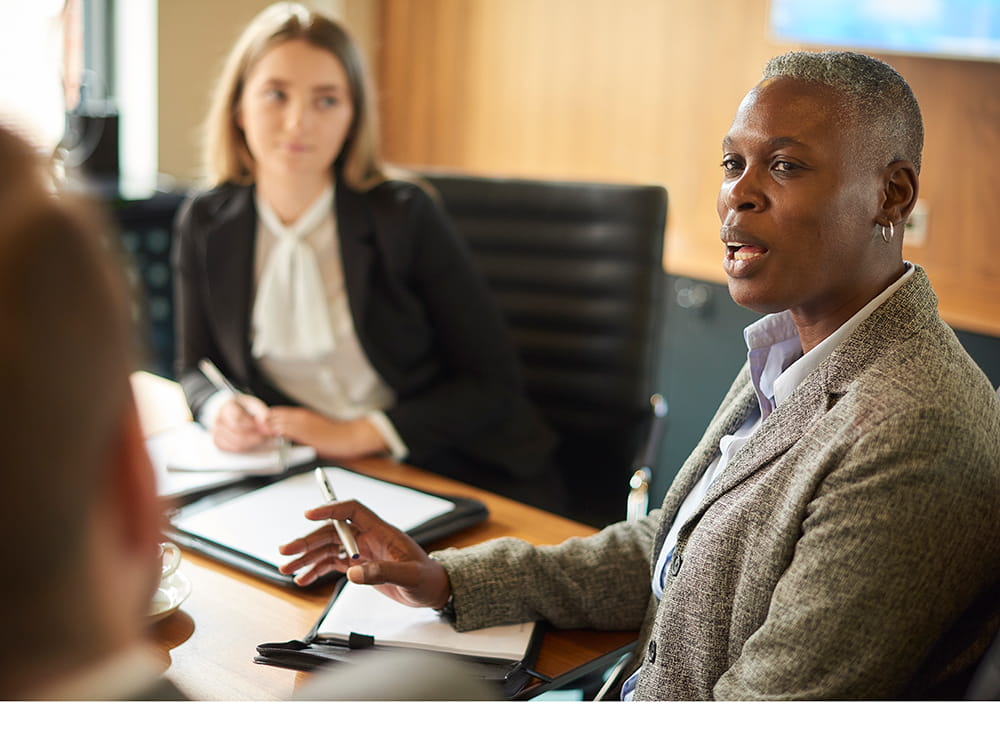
965,29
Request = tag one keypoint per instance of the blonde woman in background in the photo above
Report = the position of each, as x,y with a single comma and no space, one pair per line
341,299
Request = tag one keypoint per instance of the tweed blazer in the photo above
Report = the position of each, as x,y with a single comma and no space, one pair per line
421,310
851,548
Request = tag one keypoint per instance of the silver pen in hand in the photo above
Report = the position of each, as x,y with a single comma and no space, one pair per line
220,382
343,530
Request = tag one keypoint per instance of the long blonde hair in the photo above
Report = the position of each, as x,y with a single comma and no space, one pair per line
226,155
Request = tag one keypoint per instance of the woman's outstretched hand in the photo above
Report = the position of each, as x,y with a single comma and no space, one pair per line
389,559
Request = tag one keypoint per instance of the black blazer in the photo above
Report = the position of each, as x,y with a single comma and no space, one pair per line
421,310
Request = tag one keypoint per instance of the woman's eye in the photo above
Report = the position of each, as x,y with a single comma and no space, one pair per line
782,165
731,165
274,94
327,102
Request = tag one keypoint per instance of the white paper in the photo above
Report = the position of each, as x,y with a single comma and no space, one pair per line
185,460
363,609
261,520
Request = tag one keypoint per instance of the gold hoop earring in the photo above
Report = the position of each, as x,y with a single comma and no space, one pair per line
892,231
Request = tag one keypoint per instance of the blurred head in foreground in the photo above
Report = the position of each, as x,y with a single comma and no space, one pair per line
80,525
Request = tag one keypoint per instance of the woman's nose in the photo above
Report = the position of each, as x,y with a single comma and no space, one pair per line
295,114
743,192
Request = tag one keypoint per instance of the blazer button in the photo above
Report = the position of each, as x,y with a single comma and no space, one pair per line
651,652
675,565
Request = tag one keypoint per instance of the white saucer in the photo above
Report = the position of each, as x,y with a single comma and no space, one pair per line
169,595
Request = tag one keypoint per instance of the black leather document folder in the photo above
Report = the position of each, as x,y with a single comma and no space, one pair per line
242,525
504,656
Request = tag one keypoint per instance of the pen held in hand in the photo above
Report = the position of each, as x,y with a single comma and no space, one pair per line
343,530
220,382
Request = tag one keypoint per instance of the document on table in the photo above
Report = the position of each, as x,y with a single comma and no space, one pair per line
364,610
258,522
186,460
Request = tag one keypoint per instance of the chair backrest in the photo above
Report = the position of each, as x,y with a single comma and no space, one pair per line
146,230
576,269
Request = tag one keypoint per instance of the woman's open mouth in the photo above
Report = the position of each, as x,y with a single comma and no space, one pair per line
743,253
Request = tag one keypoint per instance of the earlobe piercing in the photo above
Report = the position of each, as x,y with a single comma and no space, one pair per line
892,231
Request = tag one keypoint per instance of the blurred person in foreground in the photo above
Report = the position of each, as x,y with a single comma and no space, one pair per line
81,520
80,525
836,532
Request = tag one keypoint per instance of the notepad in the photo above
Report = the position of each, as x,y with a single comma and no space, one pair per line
258,522
186,460
364,610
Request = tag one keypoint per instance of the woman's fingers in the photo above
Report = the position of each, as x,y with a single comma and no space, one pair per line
319,569
235,430
319,539
361,517
388,556
252,408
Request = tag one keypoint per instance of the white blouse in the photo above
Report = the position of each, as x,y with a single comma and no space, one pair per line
334,378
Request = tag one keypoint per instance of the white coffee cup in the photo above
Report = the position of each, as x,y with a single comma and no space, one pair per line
170,559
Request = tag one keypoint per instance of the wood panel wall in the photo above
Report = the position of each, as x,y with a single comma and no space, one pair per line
643,91
193,38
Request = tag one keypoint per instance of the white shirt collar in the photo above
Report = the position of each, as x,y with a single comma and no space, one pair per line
777,365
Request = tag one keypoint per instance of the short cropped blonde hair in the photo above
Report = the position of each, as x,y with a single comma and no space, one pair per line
226,155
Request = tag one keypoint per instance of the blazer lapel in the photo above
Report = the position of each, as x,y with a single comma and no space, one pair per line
356,234
229,258
782,428
908,310
779,432
734,410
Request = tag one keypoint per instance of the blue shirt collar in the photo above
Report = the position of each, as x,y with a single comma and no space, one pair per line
774,351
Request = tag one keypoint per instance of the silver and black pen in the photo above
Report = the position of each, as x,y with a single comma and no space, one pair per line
343,529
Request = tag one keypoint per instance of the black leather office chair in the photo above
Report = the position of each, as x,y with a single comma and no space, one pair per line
146,230
576,269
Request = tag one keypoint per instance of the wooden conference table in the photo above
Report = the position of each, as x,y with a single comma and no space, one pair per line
209,643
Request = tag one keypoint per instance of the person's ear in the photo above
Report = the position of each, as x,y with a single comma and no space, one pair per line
900,187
